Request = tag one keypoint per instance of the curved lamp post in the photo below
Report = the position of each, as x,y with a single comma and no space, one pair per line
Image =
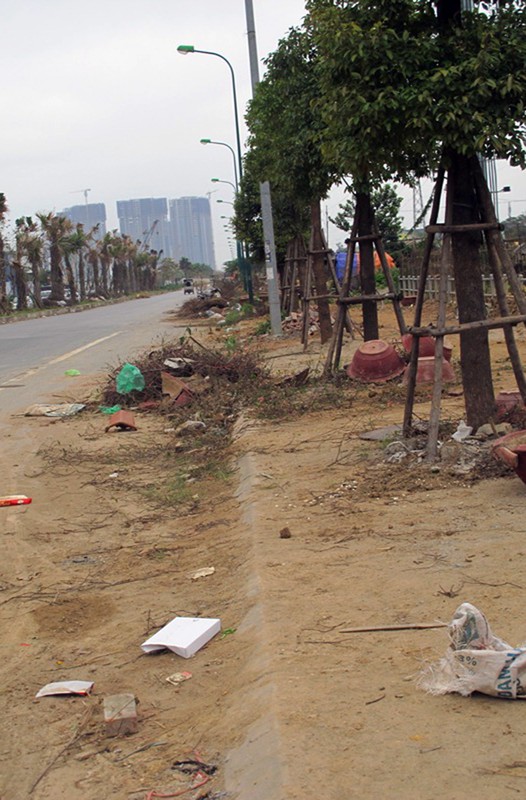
224,144
219,180
184,50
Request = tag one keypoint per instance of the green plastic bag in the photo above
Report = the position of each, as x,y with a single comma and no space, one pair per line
72,373
109,409
130,379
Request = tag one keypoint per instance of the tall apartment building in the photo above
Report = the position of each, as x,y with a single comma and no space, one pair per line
89,215
191,230
146,219
186,232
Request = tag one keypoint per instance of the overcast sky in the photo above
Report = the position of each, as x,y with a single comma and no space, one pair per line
96,96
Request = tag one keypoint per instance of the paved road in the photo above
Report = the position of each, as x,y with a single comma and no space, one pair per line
35,353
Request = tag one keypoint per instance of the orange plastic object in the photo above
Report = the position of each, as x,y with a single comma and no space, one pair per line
15,500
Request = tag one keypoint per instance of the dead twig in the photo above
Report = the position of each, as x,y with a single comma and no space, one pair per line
469,579
376,700
141,750
408,626
79,733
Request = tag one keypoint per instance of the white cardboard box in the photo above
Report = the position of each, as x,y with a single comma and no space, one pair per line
183,635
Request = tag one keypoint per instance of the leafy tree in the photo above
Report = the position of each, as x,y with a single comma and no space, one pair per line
400,87
169,271
285,137
291,215
386,203
185,265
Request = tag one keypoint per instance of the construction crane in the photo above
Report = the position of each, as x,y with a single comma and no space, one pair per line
85,192
148,234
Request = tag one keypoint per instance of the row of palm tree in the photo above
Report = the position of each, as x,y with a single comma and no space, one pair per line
79,264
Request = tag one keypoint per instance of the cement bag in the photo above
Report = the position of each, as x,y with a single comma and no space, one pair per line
477,661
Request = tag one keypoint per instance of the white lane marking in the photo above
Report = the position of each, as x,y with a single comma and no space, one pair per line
81,349
60,358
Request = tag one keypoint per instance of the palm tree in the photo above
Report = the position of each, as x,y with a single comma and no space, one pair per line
31,246
55,228
4,306
106,258
75,244
18,266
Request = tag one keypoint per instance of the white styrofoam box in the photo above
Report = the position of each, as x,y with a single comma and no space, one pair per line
183,635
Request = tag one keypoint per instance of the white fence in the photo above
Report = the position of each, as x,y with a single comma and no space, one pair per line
409,286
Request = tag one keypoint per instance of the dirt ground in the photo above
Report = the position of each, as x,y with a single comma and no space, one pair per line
284,704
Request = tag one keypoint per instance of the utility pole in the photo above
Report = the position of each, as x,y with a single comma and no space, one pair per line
264,190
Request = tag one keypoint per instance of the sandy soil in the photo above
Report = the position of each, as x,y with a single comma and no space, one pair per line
285,705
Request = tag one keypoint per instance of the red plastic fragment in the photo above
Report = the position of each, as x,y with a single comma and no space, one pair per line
15,500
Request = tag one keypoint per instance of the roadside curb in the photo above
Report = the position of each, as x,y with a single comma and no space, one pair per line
255,768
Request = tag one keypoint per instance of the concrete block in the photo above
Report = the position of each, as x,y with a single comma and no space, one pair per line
120,715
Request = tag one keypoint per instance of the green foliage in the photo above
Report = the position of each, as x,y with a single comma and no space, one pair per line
386,203
291,216
381,282
263,327
396,85
231,344
233,316
285,131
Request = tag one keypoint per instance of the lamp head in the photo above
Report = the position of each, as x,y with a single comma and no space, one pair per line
205,141
506,189
215,180
184,49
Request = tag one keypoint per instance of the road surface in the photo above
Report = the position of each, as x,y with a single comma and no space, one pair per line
35,353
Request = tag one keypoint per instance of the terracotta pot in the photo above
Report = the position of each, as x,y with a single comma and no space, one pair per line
506,401
511,449
427,346
425,372
375,361
122,420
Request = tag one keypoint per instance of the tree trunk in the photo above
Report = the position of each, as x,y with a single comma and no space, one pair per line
364,211
36,265
20,286
82,276
320,273
474,345
3,281
105,268
94,262
57,279
71,281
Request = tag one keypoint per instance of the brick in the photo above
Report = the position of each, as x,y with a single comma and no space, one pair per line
120,715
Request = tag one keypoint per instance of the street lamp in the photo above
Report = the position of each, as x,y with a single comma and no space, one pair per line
224,144
219,180
184,50
225,201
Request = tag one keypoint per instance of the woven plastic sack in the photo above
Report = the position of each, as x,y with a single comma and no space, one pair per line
477,661
130,379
